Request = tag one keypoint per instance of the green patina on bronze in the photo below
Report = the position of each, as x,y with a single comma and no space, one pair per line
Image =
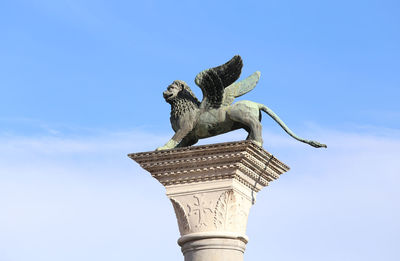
215,114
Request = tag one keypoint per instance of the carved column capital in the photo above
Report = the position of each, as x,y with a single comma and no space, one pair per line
212,188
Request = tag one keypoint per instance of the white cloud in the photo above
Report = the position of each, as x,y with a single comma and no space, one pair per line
335,204
83,199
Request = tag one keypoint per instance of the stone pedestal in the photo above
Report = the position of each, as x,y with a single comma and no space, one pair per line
212,188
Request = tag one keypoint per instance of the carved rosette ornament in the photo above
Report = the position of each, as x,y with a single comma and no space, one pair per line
212,188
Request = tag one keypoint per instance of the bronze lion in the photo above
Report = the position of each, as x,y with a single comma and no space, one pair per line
192,120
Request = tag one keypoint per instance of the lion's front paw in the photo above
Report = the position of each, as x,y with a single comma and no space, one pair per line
169,145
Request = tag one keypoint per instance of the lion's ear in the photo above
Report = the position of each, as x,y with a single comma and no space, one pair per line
180,84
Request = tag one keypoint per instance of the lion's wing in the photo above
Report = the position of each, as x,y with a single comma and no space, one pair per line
213,81
237,89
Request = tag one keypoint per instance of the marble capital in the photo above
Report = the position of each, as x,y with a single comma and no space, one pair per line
212,188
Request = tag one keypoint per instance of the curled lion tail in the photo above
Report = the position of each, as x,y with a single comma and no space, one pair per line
286,128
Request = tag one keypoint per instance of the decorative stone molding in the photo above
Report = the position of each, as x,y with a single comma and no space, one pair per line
213,162
212,188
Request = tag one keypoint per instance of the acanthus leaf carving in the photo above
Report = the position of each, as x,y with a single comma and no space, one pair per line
231,212
225,210
183,222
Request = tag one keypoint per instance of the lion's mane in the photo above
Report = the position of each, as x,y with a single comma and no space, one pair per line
184,101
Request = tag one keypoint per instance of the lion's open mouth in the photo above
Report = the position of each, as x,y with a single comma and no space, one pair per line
167,96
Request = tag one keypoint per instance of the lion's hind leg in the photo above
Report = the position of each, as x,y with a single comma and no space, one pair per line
247,114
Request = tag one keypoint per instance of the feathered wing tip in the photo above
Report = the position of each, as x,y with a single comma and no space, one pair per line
214,80
228,72
240,88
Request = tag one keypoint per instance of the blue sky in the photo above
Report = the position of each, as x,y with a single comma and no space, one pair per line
81,86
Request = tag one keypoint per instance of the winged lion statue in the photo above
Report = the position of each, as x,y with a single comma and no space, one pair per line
215,114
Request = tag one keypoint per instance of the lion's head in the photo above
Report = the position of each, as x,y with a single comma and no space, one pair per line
179,89
181,98
173,90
